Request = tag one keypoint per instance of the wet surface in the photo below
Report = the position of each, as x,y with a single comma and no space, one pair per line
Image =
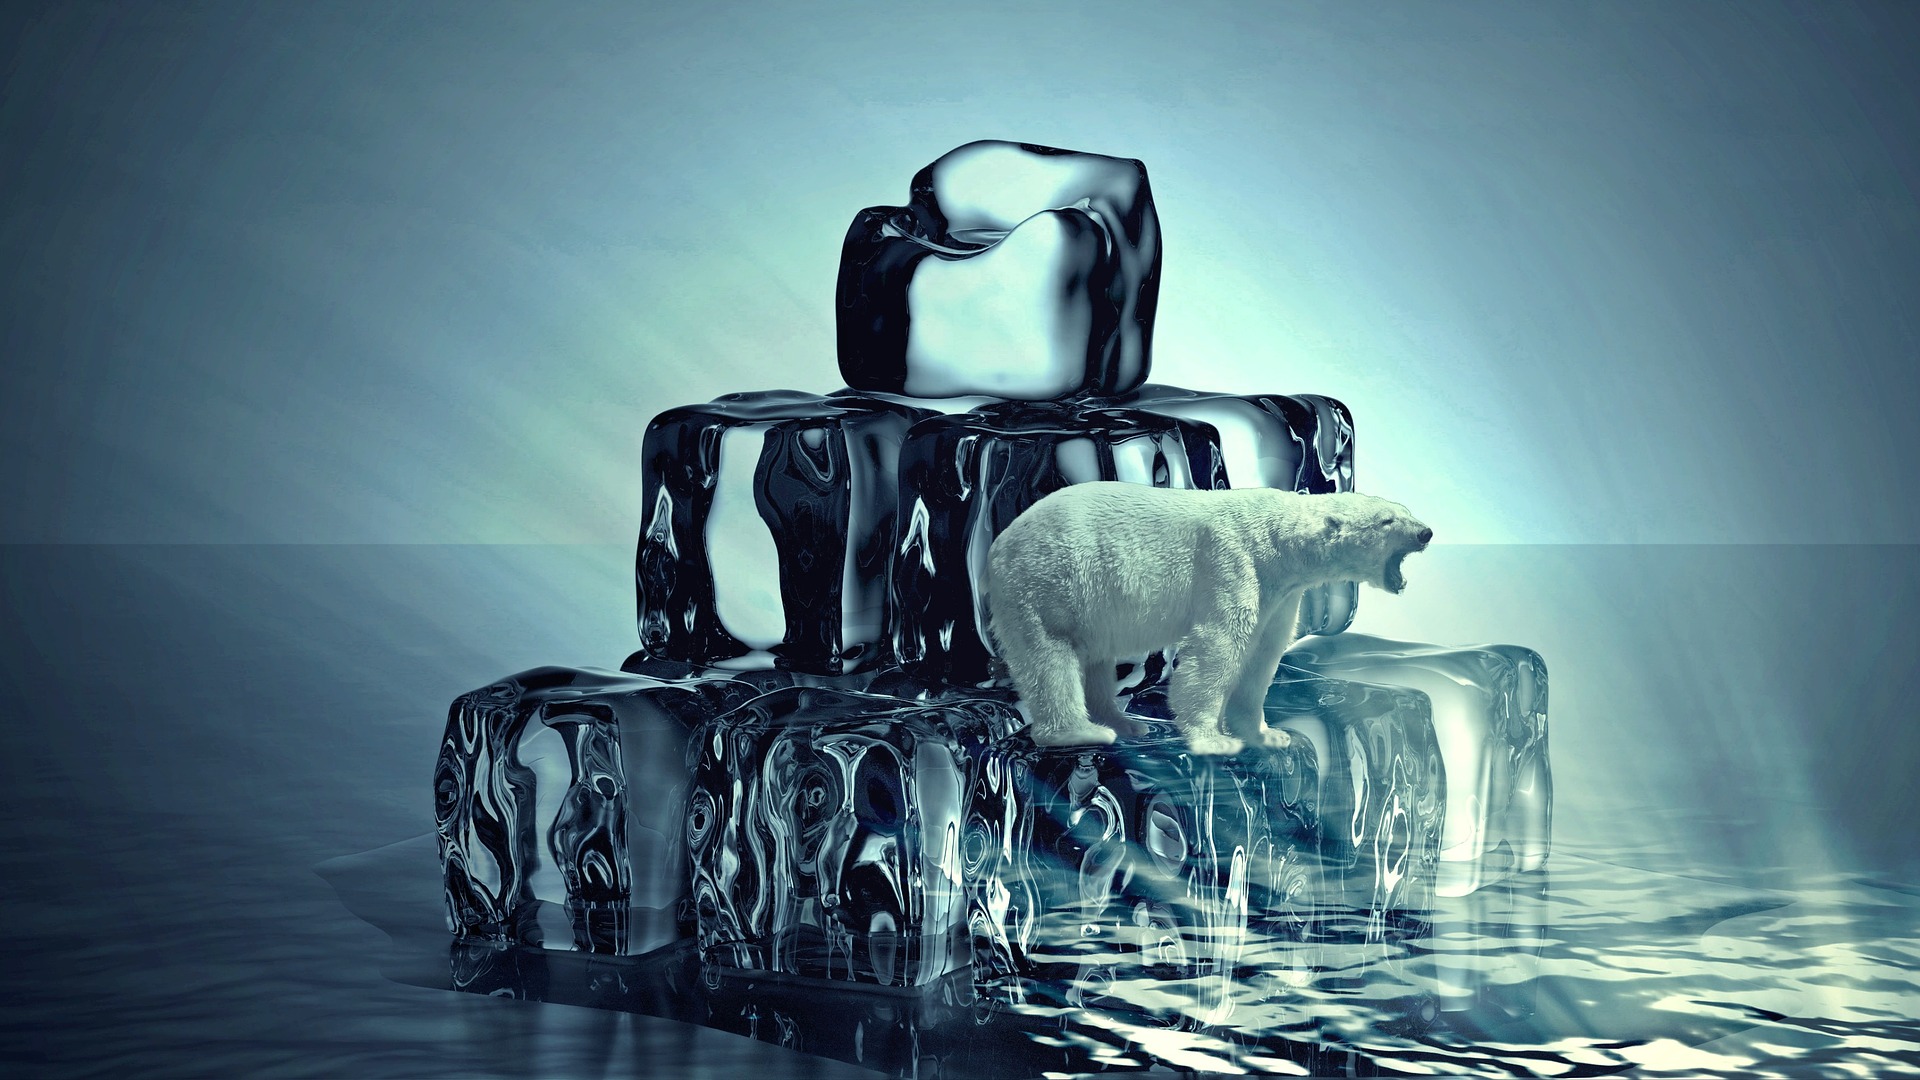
193,731
1587,968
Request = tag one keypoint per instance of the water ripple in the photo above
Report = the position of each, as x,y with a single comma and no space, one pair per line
1593,967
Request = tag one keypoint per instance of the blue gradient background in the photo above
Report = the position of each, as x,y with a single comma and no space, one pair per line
366,307
344,272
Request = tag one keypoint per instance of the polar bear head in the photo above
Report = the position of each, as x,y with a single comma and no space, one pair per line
1369,537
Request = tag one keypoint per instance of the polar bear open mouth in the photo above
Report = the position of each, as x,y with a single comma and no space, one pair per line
1394,580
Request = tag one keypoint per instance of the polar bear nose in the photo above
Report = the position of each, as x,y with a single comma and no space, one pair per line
1425,537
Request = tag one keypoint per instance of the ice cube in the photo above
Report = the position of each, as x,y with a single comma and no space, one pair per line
1490,715
769,523
1381,800
1299,442
964,477
1101,866
927,404
559,803
1294,442
1015,271
1138,854
1367,784
825,833
762,679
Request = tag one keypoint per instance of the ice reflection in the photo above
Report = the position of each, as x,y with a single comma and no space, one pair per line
1594,968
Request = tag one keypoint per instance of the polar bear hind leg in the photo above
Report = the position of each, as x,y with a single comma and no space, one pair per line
1212,656
1246,715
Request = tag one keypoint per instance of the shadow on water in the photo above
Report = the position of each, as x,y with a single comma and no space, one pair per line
1592,968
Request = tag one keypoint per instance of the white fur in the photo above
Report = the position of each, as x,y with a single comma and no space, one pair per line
1097,572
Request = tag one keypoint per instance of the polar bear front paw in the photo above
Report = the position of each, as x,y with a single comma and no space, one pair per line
1256,733
1214,744
1080,734
1275,738
1127,727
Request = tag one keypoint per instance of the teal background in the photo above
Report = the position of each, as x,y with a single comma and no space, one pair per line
420,273
328,332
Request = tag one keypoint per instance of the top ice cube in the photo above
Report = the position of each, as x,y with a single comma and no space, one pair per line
1014,270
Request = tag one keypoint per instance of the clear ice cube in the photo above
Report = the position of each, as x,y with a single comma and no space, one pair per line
964,477
1490,715
1134,856
1383,792
1294,442
1015,271
1093,867
559,799
1373,797
825,833
769,524
896,835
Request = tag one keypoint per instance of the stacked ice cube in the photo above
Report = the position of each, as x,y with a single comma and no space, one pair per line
810,767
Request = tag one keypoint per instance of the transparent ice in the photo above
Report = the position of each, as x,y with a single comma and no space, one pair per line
966,476
769,523
558,800
1376,795
813,769
899,835
886,829
1382,795
1297,442
825,830
1490,714
1294,442
1137,856
1014,270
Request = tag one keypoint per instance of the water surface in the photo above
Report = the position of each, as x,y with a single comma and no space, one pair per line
193,731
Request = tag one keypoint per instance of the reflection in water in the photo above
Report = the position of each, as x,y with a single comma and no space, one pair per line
162,920
1593,968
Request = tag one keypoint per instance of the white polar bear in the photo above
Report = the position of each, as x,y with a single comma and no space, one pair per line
1098,572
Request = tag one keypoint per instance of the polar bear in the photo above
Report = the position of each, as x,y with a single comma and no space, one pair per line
1098,572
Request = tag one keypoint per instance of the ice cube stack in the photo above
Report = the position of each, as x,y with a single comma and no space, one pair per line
809,766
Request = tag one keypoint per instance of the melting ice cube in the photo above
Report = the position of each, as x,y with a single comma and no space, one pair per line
825,833
965,477
769,524
1490,715
1294,442
1016,271
559,799
1382,795
1138,854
